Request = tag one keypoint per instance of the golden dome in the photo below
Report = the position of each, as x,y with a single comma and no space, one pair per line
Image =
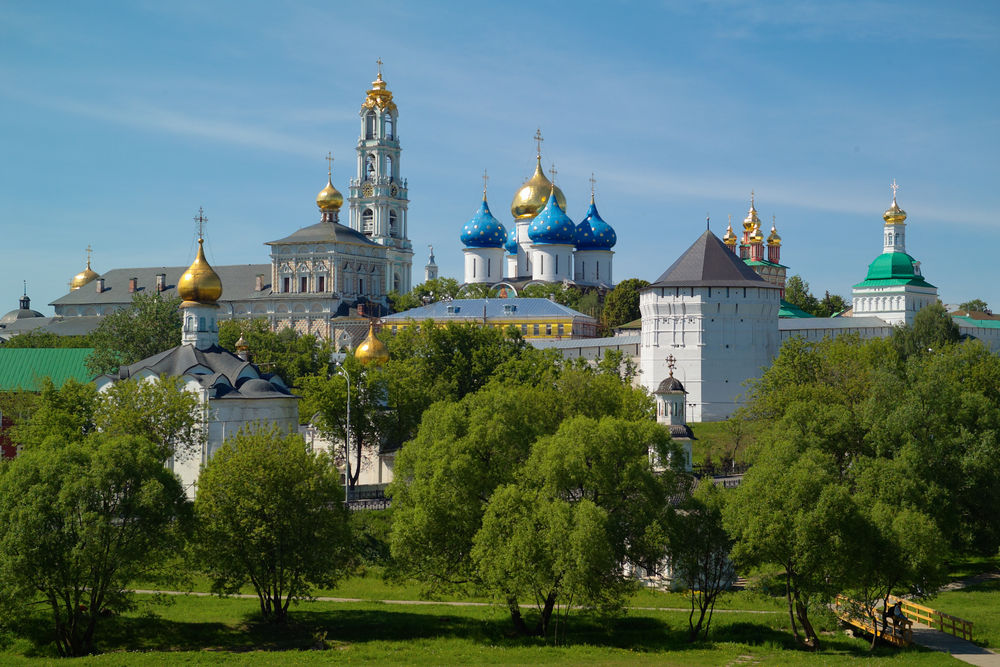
379,96
751,219
329,198
82,278
200,283
371,349
894,215
756,236
531,198
773,238
729,238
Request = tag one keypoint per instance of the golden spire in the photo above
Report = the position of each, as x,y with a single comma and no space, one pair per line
329,198
773,238
894,215
371,348
85,276
751,219
379,96
730,237
200,284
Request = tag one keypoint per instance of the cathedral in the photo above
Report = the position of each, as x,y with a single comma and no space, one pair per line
543,246
318,273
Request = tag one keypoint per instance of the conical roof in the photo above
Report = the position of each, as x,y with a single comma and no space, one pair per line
709,263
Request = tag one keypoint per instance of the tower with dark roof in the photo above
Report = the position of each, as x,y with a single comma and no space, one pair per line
717,319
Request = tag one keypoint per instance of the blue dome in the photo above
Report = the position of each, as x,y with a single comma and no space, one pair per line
483,231
593,233
552,225
511,245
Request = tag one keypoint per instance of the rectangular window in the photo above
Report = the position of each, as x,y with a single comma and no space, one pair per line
489,266
303,284
598,270
321,286
361,285
548,329
524,329
286,285
534,329
560,329
557,263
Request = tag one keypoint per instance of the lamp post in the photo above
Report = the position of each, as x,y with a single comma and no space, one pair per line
347,440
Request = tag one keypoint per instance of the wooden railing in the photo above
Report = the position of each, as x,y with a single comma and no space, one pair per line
853,613
935,619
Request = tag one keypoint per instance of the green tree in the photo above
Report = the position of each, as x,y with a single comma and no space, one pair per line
621,305
830,305
426,292
698,549
567,295
797,293
975,306
64,414
151,324
932,328
271,513
287,353
83,519
38,338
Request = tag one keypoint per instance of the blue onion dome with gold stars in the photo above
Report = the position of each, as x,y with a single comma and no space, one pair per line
483,230
593,233
511,245
552,225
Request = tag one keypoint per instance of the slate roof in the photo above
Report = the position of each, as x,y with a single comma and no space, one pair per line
793,323
473,309
238,282
709,263
26,368
61,326
324,232
217,369
608,341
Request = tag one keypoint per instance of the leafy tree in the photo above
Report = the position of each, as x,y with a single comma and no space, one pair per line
797,293
82,519
567,295
975,306
621,305
46,339
430,291
287,353
830,305
475,291
271,513
698,550
64,414
932,329
151,324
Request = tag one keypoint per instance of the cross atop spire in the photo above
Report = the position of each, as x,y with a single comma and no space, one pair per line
552,170
751,199
486,178
538,141
708,222
894,188
201,220
671,364
25,287
379,63
329,164
89,250
592,183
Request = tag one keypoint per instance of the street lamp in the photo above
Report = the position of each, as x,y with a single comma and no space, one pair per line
347,440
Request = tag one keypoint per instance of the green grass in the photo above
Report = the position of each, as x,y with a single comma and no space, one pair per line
970,566
211,630
979,604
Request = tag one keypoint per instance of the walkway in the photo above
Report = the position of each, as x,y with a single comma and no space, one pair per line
958,648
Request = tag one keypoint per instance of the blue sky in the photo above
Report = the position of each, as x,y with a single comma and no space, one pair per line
118,120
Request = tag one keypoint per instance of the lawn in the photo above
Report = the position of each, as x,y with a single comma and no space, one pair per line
979,604
211,630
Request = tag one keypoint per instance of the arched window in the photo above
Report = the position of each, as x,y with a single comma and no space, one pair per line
396,282
368,221
370,167
388,126
393,224
388,166
361,285
370,125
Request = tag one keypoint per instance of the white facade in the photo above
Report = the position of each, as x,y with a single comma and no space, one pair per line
593,267
551,262
483,265
895,304
719,337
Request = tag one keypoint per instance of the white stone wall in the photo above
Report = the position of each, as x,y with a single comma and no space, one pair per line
593,267
719,338
896,304
484,265
551,262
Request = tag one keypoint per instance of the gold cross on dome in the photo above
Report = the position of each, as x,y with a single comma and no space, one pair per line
201,220
539,140
379,63
592,183
553,171
329,164
671,364
894,188
89,250
486,178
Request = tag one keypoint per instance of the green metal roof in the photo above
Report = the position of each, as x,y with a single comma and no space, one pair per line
893,268
791,310
984,324
25,368
763,262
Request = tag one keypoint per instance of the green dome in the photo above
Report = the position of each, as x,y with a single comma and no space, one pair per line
891,265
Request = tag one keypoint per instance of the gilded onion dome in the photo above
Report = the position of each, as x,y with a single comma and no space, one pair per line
483,230
773,238
729,238
200,283
533,195
894,215
83,278
751,219
757,236
329,198
593,233
552,225
371,349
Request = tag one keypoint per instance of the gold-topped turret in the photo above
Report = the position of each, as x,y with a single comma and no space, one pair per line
379,96
729,238
894,215
200,284
756,236
371,349
533,195
85,276
751,219
773,238
329,198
